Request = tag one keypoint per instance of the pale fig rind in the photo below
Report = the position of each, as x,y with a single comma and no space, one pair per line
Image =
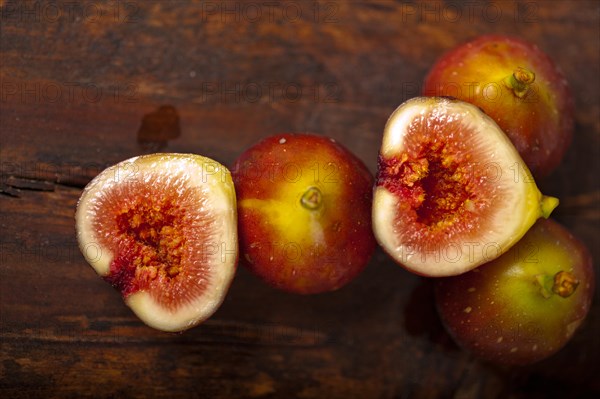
507,206
213,187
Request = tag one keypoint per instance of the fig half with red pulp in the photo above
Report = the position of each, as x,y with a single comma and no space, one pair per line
452,191
161,229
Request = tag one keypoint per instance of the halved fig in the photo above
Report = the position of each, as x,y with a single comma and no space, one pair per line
162,229
452,191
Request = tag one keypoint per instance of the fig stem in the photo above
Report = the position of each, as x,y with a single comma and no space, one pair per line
312,199
547,205
562,284
545,282
519,81
565,284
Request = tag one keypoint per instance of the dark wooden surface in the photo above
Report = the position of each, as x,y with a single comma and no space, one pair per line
78,79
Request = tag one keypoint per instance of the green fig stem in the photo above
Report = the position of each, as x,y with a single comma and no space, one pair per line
312,199
547,205
519,81
562,284
546,283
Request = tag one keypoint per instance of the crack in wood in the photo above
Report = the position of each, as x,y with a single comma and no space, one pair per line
12,186
213,332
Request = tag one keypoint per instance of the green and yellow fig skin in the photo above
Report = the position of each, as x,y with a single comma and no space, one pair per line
452,192
525,305
518,86
304,204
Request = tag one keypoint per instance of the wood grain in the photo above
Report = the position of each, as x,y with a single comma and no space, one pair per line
77,80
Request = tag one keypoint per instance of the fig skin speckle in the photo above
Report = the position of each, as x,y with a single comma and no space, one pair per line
511,321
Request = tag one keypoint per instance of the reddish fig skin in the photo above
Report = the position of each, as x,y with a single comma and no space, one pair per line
524,306
304,206
534,107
